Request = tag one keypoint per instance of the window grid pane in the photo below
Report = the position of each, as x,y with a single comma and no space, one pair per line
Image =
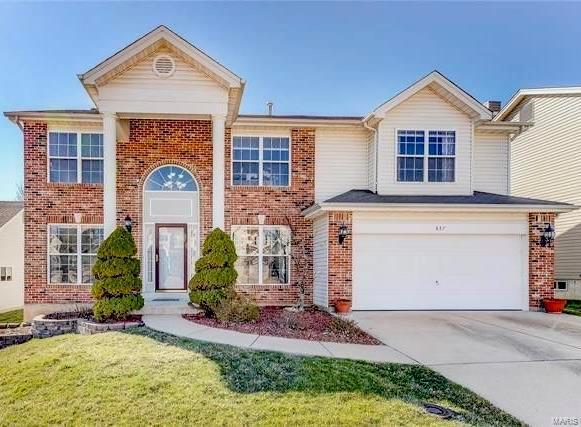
92,145
441,149
260,161
410,160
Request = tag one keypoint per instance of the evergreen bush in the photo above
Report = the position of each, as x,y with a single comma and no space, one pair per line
215,273
117,285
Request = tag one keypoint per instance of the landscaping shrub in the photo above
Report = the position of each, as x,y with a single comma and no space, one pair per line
117,285
236,309
215,273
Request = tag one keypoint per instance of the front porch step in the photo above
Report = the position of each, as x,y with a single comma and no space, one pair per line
167,306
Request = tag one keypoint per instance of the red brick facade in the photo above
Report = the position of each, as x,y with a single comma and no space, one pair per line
281,206
188,143
340,258
153,143
541,260
49,203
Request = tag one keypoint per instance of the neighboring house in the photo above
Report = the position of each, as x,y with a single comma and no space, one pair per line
11,256
418,189
546,163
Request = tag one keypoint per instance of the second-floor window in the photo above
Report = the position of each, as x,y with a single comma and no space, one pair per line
418,163
75,157
261,161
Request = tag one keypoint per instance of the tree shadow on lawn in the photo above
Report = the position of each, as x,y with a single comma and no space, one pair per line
251,371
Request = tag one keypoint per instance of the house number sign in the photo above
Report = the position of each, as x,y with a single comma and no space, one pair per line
440,228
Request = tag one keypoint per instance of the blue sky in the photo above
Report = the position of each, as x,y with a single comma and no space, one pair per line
309,58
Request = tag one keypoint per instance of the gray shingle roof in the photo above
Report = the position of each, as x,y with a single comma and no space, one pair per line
478,198
8,210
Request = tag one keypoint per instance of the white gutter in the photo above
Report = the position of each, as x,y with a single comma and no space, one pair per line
317,209
41,116
280,121
375,137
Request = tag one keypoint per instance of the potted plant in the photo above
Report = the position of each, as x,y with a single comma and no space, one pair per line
553,305
342,306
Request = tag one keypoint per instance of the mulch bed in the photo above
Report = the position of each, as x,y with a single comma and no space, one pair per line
310,324
88,315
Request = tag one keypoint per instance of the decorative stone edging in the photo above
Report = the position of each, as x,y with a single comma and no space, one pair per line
45,328
14,333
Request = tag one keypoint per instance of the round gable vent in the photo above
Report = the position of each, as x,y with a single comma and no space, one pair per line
164,65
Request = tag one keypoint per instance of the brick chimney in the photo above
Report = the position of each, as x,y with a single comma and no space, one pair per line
494,106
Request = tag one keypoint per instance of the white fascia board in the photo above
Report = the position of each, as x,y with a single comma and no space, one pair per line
522,93
502,127
434,76
18,118
150,38
432,207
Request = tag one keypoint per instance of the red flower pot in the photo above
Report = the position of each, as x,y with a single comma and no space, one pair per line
553,305
342,306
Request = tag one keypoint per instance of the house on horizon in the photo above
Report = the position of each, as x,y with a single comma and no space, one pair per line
11,256
407,207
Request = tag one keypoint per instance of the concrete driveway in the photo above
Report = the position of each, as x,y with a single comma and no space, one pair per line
527,363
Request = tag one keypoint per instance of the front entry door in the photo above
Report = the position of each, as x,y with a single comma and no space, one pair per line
171,257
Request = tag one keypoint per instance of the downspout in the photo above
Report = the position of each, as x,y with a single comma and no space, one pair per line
375,133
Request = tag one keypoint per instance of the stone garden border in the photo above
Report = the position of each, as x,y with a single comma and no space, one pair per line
45,328
14,333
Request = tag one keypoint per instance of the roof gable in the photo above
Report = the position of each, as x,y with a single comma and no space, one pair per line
522,94
160,38
442,86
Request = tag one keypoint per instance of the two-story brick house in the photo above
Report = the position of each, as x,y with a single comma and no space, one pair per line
407,207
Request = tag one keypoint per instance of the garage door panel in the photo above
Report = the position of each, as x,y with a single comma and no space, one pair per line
439,272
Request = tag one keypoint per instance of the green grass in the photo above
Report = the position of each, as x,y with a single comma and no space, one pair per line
143,377
573,307
14,316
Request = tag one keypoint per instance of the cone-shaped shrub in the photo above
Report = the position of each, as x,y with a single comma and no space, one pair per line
117,285
215,273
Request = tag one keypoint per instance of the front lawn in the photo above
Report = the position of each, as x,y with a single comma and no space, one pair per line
573,307
14,316
144,377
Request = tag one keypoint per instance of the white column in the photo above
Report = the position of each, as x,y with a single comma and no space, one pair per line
109,172
218,129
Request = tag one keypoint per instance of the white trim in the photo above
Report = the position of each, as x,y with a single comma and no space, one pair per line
191,262
260,158
522,93
434,77
79,158
297,121
79,228
426,156
161,33
318,209
260,255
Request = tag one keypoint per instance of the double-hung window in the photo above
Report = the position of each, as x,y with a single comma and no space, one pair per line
5,274
441,152
418,163
261,161
72,251
75,157
263,254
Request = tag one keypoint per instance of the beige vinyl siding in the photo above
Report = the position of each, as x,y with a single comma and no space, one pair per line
371,165
320,261
424,111
546,164
140,90
491,163
340,161
12,255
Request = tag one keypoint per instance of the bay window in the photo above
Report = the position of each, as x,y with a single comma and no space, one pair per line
263,254
75,157
72,251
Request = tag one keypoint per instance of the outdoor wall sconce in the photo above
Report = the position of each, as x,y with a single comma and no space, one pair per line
548,236
343,233
128,223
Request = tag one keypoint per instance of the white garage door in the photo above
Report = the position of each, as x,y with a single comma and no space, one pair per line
438,272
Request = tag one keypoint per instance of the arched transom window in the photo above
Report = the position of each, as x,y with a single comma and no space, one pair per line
171,178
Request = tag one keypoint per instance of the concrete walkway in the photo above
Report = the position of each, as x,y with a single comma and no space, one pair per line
177,325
